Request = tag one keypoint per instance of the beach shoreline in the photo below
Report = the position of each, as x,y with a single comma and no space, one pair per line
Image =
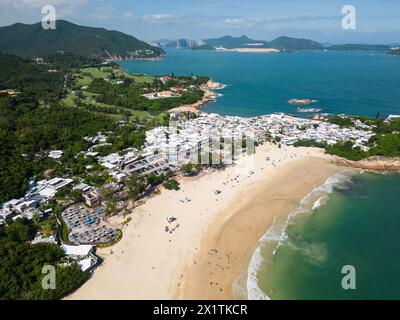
219,270
149,263
208,97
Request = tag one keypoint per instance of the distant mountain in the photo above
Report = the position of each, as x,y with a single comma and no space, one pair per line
394,52
327,44
33,40
359,47
282,43
230,42
286,43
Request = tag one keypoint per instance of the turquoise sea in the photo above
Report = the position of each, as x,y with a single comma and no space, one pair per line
344,82
354,218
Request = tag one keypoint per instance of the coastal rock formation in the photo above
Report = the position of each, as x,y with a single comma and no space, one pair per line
376,163
302,102
209,96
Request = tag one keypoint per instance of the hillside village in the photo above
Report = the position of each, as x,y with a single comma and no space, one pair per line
147,150
165,151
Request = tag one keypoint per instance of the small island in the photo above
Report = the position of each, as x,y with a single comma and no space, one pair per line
302,102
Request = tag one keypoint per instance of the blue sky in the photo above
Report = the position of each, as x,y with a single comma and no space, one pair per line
378,21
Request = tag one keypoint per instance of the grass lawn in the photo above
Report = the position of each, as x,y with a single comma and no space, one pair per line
103,72
68,101
140,78
135,114
87,75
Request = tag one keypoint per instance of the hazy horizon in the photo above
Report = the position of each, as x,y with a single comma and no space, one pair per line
377,21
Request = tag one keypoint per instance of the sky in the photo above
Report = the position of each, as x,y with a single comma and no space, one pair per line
377,21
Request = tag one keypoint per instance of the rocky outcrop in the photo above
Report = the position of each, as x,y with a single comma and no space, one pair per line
375,163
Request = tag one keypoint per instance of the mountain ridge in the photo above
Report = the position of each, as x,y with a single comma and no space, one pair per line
282,43
32,40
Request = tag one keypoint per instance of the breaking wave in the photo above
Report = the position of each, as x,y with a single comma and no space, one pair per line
276,236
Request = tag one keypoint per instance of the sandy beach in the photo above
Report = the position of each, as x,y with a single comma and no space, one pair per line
215,233
250,50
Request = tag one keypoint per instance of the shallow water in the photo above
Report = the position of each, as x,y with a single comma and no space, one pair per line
257,83
357,224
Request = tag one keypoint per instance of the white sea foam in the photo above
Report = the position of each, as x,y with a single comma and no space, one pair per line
317,203
277,232
221,88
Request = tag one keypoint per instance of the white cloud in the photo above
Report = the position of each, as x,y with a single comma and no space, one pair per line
127,15
157,17
63,8
244,22
38,4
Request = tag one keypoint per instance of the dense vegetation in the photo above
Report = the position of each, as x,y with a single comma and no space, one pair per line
27,127
341,121
386,141
21,265
129,94
34,121
26,130
29,78
33,40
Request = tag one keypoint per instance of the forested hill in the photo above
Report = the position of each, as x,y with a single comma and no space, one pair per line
33,40
281,43
32,120
287,43
28,77
394,52
230,42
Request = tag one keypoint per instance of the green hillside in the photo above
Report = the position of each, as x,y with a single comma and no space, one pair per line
33,40
286,43
230,42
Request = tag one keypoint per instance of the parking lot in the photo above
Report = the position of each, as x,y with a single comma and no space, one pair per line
86,225
144,167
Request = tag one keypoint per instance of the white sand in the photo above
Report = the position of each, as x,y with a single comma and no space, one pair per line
147,262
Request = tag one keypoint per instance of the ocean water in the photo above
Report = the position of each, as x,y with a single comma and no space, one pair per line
354,218
357,83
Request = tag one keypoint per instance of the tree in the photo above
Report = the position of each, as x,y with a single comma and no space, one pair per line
109,199
155,180
187,168
171,185
110,206
21,230
136,184
76,196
